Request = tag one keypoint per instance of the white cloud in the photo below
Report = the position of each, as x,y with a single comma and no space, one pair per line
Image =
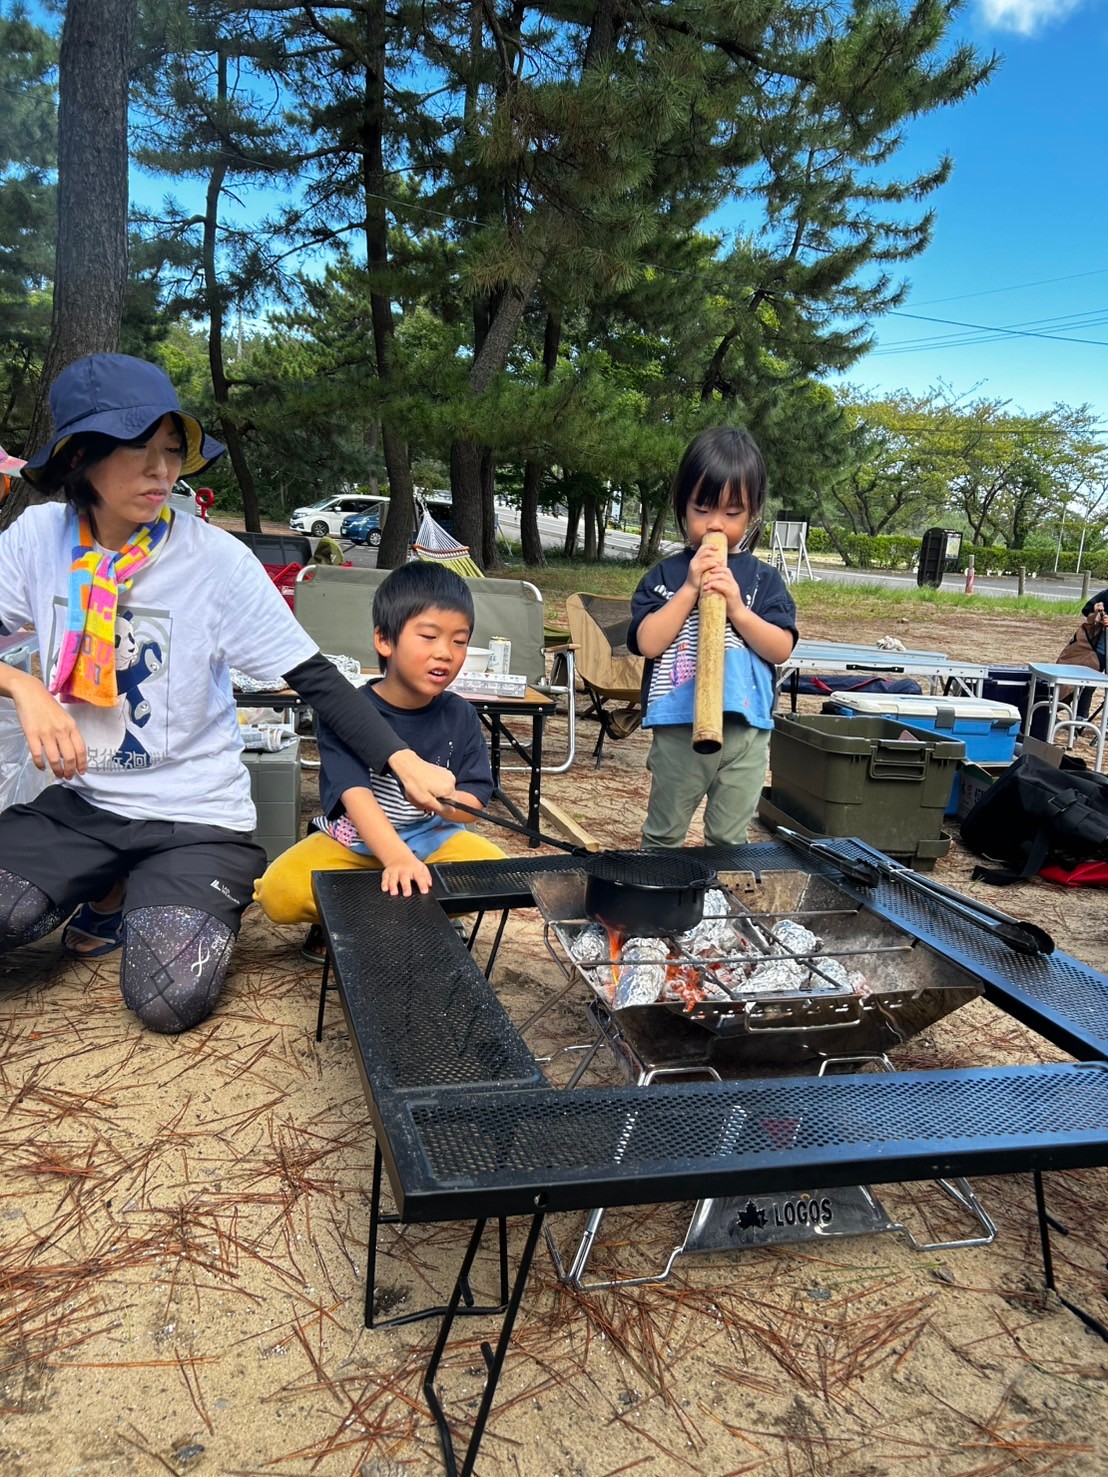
1026,16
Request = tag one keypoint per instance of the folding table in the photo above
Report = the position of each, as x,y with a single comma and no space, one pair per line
1056,676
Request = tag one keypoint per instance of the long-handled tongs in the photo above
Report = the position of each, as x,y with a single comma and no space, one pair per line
867,870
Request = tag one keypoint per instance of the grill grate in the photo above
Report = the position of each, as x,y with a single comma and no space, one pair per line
870,986
1058,996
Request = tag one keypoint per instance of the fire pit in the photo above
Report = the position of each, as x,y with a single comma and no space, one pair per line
785,968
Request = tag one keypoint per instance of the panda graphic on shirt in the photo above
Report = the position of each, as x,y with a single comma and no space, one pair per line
133,733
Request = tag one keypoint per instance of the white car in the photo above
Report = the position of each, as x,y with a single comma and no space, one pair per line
324,518
183,500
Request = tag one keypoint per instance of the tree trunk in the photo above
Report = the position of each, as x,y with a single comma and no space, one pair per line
530,538
91,263
532,471
573,520
491,559
466,458
213,296
656,530
393,550
644,527
590,530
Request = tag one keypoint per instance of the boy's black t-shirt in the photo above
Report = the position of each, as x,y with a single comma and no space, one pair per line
447,732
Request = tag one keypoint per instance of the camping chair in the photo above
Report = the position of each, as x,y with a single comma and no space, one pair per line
610,675
335,606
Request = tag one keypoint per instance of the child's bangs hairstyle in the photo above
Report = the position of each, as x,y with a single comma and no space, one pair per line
414,588
90,448
721,466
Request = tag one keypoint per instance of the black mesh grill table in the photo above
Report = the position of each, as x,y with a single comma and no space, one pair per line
467,1128
502,1152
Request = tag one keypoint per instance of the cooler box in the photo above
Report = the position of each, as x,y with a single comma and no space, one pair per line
832,775
275,790
988,729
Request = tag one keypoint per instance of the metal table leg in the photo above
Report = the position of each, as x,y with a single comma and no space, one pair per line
323,987
1045,1222
494,1359
388,1218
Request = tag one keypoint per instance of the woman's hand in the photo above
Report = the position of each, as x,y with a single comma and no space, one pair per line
425,785
399,875
51,734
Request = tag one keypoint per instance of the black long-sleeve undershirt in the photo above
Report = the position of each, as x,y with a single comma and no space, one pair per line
358,723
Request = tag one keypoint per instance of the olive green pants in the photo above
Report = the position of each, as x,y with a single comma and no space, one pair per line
732,780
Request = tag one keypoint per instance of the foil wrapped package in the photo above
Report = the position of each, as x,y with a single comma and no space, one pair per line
795,937
640,975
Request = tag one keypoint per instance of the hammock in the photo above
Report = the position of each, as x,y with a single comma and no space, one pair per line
435,546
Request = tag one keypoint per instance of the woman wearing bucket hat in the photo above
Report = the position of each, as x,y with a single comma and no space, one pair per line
140,616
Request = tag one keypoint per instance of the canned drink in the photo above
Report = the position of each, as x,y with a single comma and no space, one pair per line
500,656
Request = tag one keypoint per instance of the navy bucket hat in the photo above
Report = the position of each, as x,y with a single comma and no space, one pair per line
122,397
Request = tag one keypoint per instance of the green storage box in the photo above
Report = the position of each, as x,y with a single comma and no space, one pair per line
275,790
864,777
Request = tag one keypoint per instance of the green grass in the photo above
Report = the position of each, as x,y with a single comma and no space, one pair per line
814,599
860,601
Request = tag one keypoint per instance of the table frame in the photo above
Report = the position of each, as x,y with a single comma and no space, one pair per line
1055,676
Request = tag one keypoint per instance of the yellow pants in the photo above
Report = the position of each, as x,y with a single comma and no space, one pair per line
285,888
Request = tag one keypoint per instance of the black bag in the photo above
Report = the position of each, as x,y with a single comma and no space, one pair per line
821,684
1035,815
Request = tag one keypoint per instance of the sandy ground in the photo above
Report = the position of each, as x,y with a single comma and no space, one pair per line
182,1228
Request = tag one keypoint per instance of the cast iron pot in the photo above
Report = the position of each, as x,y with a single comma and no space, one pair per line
641,894
645,893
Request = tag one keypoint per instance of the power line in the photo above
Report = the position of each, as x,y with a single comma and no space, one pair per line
1016,287
995,329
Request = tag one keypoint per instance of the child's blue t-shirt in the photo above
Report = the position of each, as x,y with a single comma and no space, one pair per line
447,731
669,681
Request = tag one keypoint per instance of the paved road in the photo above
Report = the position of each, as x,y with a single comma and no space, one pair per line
552,531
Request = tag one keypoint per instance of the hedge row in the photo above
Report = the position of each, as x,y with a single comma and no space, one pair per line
898,551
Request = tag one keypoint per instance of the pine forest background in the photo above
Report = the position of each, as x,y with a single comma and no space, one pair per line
475,245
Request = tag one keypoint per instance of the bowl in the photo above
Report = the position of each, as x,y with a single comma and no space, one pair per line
477,659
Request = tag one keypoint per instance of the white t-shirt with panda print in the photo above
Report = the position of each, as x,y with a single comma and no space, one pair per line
170,748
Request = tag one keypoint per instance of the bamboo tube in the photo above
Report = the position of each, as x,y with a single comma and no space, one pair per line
707,735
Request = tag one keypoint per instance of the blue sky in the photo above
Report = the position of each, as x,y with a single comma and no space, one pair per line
1028,201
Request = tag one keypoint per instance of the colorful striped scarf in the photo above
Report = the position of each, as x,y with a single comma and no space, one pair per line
86,660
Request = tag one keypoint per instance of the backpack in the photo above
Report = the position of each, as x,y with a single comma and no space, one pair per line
1034,816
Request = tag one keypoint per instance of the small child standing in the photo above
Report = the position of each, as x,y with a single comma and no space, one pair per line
720,486
422,620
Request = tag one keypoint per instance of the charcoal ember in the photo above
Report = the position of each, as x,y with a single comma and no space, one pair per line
641,972
591,945
795,937
690,986
835,972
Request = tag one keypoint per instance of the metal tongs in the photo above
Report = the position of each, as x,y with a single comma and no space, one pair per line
869,869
